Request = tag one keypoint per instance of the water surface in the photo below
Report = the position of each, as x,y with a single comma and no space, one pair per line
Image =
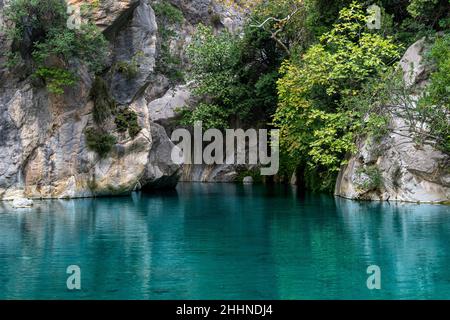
221,241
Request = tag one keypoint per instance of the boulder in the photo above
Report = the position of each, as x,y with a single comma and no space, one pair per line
160,171
164,109
22,203
247,180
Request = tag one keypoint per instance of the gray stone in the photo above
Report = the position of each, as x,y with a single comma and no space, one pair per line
215,173
247,180
165,108
134,49
22,203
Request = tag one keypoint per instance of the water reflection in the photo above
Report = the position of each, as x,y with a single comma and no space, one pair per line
224,242
409,240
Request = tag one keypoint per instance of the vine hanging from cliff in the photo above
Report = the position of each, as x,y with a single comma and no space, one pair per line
168,63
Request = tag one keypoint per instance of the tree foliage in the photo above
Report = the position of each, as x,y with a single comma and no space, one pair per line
331,78
317,128
235,76
435,103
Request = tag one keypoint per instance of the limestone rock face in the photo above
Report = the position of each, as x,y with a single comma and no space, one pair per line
402,170
412,64
44,154
134,54
197,10
165,108
107,13
160,171
43,149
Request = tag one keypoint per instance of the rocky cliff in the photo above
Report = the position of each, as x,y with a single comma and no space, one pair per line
403,169
43,149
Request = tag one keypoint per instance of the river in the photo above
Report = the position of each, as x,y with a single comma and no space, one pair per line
224,241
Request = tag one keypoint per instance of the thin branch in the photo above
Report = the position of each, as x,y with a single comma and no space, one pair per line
289,17
274,34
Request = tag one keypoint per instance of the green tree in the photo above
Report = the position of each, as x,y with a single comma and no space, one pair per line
235,77
317,129
435,103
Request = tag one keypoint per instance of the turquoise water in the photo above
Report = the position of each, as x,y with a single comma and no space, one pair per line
218,241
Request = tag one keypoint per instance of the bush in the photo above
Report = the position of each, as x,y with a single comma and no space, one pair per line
435,104
438,92
99,142
35,18
104,105
168,12
127,120
130,68
41,38
369,178
56,78
212,116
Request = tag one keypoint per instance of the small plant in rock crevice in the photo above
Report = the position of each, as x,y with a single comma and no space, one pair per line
127,120
130,69
104,105
369,178
168,63
99,141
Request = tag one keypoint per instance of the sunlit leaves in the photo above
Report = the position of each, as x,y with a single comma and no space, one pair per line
316,127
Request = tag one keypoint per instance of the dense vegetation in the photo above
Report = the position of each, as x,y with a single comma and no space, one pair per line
315,70
44,44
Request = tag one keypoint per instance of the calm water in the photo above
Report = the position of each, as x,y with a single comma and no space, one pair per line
224,242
